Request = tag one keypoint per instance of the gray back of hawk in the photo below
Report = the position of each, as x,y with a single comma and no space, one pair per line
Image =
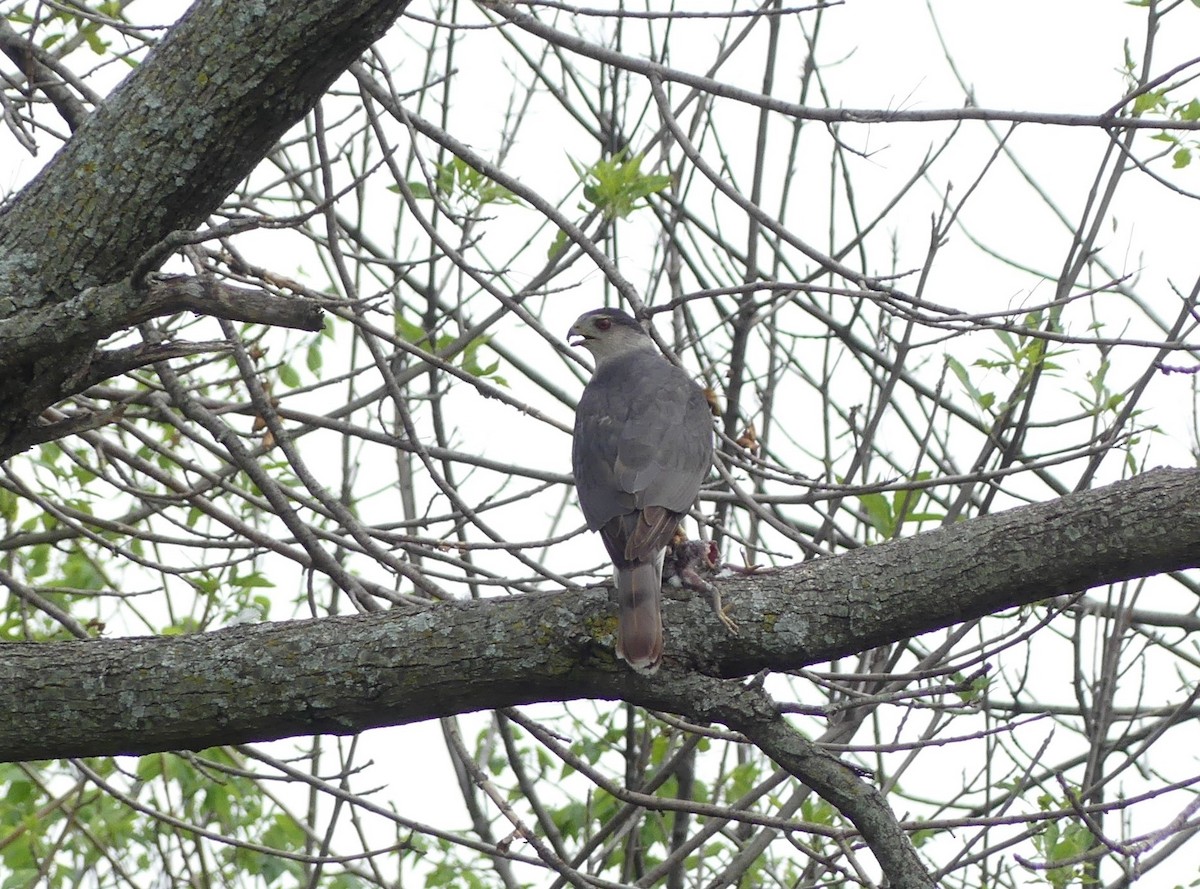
642,448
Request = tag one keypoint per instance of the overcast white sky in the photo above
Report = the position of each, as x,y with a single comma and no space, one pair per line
1027,55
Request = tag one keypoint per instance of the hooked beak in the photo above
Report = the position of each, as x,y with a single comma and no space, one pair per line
576,337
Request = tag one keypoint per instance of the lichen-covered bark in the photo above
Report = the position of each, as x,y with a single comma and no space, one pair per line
159,155
345,674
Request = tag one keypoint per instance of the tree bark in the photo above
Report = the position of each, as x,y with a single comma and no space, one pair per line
158,156
344,674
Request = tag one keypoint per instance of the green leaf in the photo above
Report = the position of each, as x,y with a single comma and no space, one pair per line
284,834
8,505
817,811
419,190
288,376
78,571
24,877
570,819
48,455
922,836
409,332
312,358
1181,158
984,400
978,686
19,791
92,35
879,513
207,583
1149,101
82,475
37,561
617,186
444,179
347,881
558,245
150,767
904,503
185,626
216,803
456,180
251,581
470,359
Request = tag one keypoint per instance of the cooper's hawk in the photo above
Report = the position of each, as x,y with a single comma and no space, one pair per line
643,445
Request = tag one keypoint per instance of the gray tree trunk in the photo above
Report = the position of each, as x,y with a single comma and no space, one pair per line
157,157
345,674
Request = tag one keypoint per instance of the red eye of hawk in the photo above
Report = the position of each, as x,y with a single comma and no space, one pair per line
603,323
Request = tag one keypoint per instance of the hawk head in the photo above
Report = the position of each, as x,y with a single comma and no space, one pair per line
608,333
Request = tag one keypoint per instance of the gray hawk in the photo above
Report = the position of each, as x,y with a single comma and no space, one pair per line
643,444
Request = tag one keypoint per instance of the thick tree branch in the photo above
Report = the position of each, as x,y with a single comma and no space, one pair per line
346,674
159,155
108,309
113,307
38,66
